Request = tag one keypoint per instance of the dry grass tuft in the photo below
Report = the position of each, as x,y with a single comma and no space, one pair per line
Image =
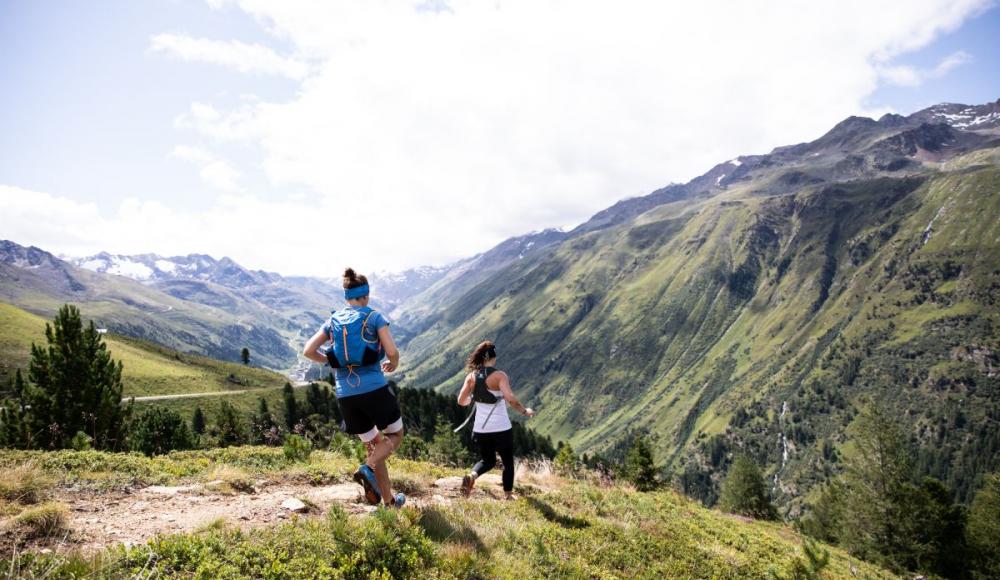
216,525
39,521
229,479
24,484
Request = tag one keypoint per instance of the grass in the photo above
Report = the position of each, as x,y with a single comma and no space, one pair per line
580,528
26,483
39,521
244,402
149,369
230,479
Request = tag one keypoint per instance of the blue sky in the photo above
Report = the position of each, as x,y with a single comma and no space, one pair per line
253,130
89,109
975,82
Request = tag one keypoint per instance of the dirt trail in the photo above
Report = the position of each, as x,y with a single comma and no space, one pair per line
97,520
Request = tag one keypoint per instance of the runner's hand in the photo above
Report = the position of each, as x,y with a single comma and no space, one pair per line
529,412
387,366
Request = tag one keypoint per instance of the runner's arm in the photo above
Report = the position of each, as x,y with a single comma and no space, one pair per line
385,337
465,395
311,350
509,395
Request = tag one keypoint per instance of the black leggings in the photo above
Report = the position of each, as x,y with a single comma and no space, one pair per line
489,445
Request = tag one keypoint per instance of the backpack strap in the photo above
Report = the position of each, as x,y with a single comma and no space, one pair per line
364,326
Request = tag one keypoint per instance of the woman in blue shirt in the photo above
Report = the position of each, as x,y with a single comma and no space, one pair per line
368,406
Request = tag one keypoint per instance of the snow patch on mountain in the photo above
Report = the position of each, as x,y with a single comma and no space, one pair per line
165,266
961,117
119,266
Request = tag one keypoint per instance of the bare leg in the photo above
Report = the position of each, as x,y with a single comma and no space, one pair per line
379,449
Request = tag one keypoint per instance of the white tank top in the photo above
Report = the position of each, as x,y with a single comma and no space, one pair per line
492,417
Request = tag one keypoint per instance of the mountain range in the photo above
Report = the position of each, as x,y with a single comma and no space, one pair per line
749,310
756,307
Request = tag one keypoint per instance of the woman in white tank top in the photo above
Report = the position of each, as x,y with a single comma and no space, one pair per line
492,430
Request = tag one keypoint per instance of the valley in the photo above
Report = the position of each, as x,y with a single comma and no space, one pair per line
752,309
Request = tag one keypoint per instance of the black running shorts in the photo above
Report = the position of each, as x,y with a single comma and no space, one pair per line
377,408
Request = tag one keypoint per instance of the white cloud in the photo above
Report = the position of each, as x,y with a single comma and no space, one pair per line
249,58
216,172
234,225
419,136
909,76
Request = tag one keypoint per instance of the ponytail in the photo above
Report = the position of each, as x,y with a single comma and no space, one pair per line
353,280
485,350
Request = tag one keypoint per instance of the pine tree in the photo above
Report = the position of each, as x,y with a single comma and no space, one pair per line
983,529
75,386
291,407
886,517
14,421
446,448
264,426
160,430
875,481
245,355
639,467
264,418
566,462
198,421
745,492
825,517
229,428
318,401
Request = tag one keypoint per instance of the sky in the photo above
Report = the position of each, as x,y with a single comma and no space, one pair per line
302,136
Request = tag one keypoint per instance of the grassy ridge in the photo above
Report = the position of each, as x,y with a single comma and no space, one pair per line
578,528
149,369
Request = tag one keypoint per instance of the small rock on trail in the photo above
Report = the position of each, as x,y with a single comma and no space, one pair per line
295,505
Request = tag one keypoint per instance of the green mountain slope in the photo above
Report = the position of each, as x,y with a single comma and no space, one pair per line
149,369
755,310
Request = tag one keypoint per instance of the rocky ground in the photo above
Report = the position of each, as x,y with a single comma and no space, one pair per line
99,519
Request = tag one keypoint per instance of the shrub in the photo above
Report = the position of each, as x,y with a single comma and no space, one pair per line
297,448
40,520
350,447
80,441
811,567
413,448
160,430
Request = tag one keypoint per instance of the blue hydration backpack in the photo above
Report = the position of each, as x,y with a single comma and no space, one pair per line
354,343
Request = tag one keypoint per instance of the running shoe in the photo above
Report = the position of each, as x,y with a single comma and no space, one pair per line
467,482
398,500
365,477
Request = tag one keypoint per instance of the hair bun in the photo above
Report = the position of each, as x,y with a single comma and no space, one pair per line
350,275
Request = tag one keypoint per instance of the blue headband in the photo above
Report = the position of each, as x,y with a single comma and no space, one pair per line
357,292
